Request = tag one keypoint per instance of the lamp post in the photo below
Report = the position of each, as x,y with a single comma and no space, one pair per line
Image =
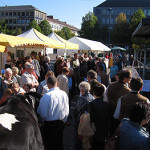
109,38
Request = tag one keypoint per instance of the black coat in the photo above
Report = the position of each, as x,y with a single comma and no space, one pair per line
98,110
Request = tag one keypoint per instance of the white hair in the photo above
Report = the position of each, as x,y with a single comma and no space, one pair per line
15,69
47,58
85,86
8,70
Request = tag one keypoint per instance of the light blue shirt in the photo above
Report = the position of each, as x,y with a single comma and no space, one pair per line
54,105
113,71
70,82
117,111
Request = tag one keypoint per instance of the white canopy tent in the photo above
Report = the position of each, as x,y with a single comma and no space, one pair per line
85,44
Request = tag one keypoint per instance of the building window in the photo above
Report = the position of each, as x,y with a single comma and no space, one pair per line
2,14
98,11
23,21
31,13
14,21
111,21
128,12
6,14
104,12
148,12
10,21
27,21
107,21
23,13
14,13
19,53
103,20
116,12
54,51
145,12
108,12
27,13
124,11
10,13
19,21
23,29
19,14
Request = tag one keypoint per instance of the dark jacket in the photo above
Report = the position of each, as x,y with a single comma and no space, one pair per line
98,110
127,101
114,92
82,106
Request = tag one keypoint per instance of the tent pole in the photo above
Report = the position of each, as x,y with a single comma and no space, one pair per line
65,52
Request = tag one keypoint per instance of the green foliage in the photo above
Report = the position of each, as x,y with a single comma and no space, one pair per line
120,33
34,25
45,27
136,19
90,27
18,31
65,33
3,26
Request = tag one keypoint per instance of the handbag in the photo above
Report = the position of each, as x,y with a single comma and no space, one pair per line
114,141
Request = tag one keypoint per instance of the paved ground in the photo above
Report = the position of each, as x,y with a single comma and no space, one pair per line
69,131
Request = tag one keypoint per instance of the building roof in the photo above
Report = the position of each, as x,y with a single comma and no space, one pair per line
21,7
125,3
63,24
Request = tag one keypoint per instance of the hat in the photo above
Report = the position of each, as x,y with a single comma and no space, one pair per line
29,66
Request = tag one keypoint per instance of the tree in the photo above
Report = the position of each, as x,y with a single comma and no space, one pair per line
136,19
90,27
3,26
45,27
120,33
103,33
65,33
18,31
34,25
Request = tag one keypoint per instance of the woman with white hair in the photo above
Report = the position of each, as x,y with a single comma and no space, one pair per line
81,107
9,79
15,71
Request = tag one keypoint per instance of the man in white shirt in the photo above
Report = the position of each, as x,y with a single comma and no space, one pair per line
54,109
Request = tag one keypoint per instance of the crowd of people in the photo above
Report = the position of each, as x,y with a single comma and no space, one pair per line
104,99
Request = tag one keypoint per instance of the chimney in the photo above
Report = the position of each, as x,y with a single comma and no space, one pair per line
50,17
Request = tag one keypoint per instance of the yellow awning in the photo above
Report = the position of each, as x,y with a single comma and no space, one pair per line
9,40
68,45
2,48
50,41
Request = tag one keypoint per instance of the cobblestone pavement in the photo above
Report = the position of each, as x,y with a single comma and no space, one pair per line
69,131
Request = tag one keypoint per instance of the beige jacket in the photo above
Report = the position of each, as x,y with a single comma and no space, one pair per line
86,129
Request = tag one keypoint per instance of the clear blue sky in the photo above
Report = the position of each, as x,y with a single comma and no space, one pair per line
70,11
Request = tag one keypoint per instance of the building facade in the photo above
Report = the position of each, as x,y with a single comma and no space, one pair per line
21,16
107,11
57,25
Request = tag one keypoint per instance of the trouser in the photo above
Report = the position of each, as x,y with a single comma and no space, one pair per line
98,145
53,135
